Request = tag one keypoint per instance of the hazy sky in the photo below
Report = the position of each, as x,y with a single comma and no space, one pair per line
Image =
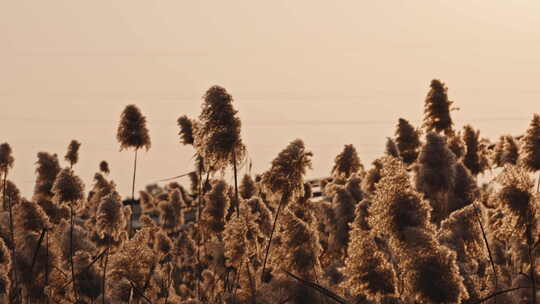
330,72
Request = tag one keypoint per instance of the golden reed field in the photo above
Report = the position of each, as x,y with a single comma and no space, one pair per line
417,225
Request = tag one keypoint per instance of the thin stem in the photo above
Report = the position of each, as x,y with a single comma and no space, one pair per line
227,273
317,279
105,275
134,288
488,249
252,284
206,182
321,289
169,281
199,230
134,174
284,199
71,253
499,293
538,184
147,283
221,277
532,268
236,280
82,270
202,190
63,274
46,263
236,184
133,193
38,247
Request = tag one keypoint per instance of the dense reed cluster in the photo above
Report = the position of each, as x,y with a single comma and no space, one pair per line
444,216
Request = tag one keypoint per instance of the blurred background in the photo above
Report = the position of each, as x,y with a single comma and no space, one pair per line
331,74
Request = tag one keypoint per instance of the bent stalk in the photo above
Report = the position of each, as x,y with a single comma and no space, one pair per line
284,199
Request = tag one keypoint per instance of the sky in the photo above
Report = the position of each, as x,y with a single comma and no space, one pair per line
329,72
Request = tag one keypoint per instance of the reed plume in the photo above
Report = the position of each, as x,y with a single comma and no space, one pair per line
163,244
465,189
519,203
285,179
396,207
391,148
90,280
303,207
430,271
367,270
171,212
354,186
186,130
407,141
146,202
5,258
437,109
133,133
69,189
12,195
235,242
131,268
473,158
217,136
433,277
456,145
510,153
104,167
110,219
344,206
100,189
110,223
34,263
497,152
372,177
6,158
287,170
300,248
531,147
72,155
30,216
214,211
462,233
248,189
263,215
518,200
435,174
47,169
347,162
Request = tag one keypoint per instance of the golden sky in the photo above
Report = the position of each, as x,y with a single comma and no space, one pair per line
331,72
